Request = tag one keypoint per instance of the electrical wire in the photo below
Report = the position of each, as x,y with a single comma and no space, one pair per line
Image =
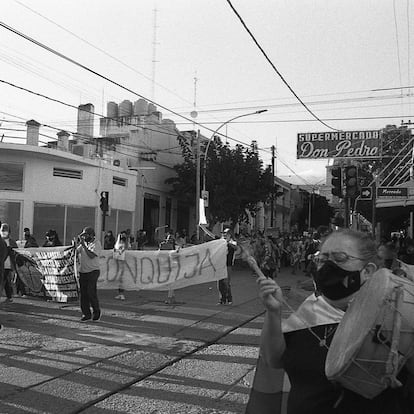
102,116
324,102
94,72
101,50
276,70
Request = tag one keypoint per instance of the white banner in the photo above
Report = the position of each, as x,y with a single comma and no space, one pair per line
154,269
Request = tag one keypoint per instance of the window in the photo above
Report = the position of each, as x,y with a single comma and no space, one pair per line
11,176
10,214
63,172
76,219
119,181
118,221
46,217
68,221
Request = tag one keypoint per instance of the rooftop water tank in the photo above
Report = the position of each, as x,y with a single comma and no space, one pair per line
112,110
151,108
140,107
125,108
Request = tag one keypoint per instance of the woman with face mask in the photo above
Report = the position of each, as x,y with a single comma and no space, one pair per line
299,344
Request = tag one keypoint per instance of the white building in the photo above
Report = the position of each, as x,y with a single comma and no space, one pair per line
59,187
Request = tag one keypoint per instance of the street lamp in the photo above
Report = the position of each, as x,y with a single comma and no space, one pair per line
213,135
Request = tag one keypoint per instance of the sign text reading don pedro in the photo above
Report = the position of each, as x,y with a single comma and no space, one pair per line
164,269
343,144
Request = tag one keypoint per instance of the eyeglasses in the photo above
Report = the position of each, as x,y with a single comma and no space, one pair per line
337,257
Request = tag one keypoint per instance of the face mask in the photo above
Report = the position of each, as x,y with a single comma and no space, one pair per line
4,234
329,281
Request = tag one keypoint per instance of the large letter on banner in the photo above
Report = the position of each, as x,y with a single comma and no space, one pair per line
56,265
164,269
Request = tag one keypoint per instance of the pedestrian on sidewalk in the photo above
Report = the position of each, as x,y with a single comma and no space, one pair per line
89,249
224,285
10,263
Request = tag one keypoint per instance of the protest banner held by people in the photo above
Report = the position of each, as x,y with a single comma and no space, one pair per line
89,249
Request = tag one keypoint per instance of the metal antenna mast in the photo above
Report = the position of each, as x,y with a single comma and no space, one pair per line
154,51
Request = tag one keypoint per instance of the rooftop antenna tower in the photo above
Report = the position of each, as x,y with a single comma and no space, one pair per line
194,111
154,50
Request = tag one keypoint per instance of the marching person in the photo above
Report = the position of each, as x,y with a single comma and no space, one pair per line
119,252
3,255
30,241
224,285
52,239
300,345
9,263
89,249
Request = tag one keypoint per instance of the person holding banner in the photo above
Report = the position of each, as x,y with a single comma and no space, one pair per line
224,285
3,255
89,250
10,270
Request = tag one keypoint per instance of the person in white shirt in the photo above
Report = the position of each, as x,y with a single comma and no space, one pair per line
89,249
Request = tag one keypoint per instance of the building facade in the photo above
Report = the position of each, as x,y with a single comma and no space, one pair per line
59,185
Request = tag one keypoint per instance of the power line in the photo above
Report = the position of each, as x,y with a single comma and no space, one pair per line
322,102
161,130
100,50
94,72
276,70
284,121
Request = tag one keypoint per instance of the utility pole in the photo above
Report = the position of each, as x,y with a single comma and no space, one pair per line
374,206
272,199
198,175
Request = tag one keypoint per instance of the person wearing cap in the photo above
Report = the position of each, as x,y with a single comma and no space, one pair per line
52,239
30,240
224,285
9,263
89,249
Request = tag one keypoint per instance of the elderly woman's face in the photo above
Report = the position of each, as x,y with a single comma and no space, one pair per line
343,251
341,270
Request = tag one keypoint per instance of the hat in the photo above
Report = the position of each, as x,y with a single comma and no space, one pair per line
88,230
4,227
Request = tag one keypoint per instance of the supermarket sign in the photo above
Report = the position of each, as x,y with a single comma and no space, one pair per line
340,144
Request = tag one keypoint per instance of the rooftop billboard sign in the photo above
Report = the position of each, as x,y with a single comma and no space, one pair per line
339,144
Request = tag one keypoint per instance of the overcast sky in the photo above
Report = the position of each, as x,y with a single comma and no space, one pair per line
334,54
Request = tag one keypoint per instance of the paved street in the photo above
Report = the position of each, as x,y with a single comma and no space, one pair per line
144,356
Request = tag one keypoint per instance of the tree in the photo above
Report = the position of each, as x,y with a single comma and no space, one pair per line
235,179
321,211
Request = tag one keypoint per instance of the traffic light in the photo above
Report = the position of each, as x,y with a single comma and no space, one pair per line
337,181
104,202
351,181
